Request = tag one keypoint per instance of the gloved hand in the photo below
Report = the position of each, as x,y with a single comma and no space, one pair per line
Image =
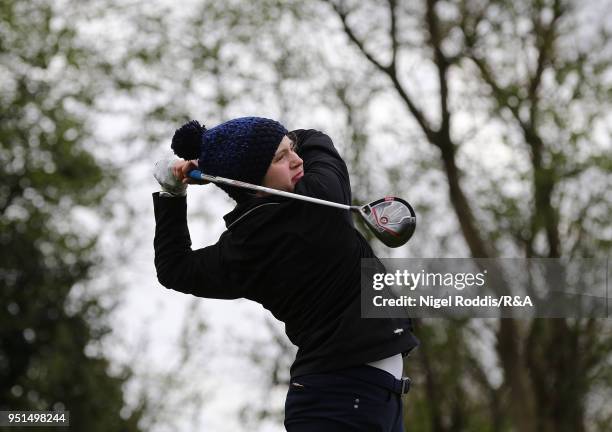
165,177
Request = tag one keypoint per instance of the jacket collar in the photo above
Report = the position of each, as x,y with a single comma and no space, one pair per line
243,209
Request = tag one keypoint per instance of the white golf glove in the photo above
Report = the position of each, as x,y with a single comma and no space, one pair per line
170,184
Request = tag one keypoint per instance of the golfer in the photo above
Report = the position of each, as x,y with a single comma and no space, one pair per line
301,261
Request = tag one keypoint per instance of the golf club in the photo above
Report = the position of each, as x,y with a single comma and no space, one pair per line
391,219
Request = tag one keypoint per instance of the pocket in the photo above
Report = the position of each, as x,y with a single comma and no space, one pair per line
295,386
319,383
310,385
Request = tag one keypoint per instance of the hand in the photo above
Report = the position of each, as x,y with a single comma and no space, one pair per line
181,169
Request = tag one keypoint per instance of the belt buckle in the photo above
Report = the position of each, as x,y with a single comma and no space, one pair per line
406,385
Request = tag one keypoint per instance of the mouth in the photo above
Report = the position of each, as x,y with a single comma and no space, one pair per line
297,177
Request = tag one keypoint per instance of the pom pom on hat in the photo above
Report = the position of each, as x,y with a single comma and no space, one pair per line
187,140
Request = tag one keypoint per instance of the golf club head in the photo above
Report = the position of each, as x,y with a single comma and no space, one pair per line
391,219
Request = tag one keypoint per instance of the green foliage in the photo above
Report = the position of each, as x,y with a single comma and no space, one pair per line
49,340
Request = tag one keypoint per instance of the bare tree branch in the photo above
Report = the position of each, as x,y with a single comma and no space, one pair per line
544,179
546,37
390,70
393,33
343,15
442,63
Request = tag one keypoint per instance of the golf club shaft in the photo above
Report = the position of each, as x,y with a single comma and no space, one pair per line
198,175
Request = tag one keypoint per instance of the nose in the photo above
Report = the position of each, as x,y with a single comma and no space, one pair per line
296,161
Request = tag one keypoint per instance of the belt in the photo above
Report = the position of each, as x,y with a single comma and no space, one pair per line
402,386
378,377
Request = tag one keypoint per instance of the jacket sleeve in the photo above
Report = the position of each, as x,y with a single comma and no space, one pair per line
325,173
198,272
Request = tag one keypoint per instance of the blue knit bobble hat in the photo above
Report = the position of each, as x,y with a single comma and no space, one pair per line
240,149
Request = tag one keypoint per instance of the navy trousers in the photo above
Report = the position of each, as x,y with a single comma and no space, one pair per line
345,400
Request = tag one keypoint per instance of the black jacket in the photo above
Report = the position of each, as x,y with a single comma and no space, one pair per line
301,261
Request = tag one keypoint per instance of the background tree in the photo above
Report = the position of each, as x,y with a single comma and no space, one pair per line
53,321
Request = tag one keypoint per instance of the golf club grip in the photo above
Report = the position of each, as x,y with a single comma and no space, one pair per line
196,175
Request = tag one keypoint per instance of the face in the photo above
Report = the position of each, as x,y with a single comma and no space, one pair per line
286,168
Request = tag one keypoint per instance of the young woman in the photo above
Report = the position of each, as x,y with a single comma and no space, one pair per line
301,261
